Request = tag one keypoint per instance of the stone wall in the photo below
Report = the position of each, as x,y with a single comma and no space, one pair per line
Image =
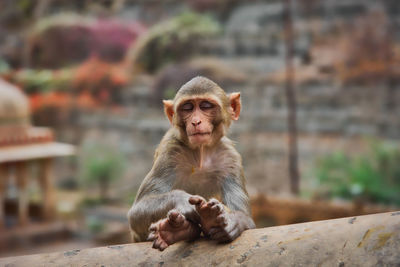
329,119
332,115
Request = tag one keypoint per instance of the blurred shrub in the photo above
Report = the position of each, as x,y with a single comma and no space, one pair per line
222,6
95,225
4,67
374,177
104,81
100,165
87,85
173,76
66,39
172,40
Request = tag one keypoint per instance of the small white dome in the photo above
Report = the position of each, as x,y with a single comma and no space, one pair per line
14,106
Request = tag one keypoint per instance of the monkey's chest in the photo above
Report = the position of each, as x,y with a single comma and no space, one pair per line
205,181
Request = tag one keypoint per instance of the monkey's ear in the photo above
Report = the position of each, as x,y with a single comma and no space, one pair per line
234,99
169,109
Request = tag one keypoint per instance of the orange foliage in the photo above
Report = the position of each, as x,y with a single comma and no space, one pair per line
94,82
61,100
85,100
55,99
100,78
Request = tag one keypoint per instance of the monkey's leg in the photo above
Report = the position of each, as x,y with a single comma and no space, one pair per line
172,229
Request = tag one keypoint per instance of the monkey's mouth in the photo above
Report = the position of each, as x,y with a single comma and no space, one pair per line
200,134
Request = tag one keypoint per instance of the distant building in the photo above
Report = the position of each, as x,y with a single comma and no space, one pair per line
21,147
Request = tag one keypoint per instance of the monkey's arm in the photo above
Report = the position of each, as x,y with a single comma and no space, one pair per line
237,200
151,206
236,222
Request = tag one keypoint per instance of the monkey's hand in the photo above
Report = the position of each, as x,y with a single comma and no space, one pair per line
172,229
216,222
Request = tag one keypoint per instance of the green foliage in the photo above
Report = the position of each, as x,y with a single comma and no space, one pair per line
4,67
95,225
173,40
374,177
129,199
65,19
43,80
101,165
183,27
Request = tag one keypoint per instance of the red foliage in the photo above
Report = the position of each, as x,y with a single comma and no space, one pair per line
111,38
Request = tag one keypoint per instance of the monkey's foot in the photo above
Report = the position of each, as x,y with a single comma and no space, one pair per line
172,229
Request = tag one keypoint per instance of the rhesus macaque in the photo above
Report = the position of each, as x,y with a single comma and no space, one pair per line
196,184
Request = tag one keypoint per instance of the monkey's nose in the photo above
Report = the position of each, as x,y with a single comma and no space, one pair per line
195,123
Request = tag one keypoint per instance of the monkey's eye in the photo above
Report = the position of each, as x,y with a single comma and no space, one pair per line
206,105
187,107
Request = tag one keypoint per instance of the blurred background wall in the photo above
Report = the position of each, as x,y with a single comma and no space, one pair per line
96,72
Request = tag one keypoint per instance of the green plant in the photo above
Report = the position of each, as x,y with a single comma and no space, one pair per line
33,81
101,165
4,67
95,225
172,40
373,177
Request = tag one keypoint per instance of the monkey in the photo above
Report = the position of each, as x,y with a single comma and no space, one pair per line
196,184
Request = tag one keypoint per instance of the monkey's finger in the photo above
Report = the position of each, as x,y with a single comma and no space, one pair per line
152,236
225,239
173,214
153,227
234,233
214,230
160,244
226,236
175,218
221,220
197,200
231,226
219,235
156,243
229,236
212,202
217,208
163,245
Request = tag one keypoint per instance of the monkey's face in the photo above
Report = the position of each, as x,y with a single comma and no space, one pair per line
202,112
199,117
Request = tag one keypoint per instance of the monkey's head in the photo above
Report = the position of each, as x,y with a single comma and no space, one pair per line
202,112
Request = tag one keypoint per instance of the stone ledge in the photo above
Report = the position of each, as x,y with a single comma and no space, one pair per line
356,241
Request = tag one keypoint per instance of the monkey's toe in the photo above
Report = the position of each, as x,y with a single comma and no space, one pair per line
153,227
221,220
175,218
213,202
160,244
152,236
197,200
217,208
